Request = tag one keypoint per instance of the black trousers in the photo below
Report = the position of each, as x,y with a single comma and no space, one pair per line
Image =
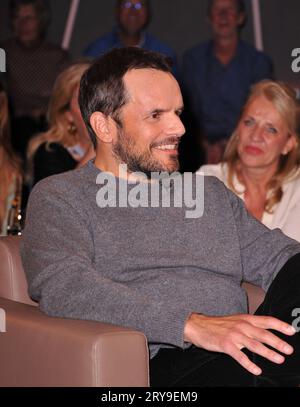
200,368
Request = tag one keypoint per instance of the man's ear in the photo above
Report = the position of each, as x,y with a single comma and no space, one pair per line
102,127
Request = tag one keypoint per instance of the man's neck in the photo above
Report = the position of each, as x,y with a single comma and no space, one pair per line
225,48
130,40
118,169
30,45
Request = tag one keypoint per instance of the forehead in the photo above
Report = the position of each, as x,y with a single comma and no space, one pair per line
217,4
25,9
151,88
265,109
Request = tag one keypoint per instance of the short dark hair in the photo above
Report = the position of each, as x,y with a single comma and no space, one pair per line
102,87
239,3
42,8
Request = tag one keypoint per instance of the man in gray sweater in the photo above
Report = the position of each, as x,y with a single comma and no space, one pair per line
117,241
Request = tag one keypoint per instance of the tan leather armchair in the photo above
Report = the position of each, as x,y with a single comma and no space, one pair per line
37,350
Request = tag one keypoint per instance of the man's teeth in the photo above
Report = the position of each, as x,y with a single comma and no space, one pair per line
168,147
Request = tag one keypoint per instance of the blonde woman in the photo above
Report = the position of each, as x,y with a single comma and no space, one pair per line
66,144
10,169
261,161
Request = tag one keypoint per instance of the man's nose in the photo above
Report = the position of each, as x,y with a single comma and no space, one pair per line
223,13
176,126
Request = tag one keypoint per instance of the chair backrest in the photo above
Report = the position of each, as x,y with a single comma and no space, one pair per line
13,284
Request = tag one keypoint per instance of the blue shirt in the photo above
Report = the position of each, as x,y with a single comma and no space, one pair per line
112,40
215,93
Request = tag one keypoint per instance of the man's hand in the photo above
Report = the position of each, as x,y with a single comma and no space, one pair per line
230,334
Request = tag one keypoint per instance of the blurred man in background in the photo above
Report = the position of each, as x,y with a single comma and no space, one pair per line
217,76
132,16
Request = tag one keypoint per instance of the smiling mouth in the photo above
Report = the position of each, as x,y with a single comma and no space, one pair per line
168,147
171,149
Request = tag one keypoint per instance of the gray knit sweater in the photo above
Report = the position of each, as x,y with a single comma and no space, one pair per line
145,268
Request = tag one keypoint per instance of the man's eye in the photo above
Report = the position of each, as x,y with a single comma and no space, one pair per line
155,115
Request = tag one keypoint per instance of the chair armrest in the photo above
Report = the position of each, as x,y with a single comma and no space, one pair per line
37,350
255,295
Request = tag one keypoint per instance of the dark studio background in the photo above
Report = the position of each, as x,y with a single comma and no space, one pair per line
180,23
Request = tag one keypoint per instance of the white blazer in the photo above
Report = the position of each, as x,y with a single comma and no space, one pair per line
286,213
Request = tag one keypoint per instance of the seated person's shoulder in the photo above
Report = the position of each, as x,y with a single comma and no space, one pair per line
100,45
212,180
66,185
54,48
254,53
212,169
154,44
293,180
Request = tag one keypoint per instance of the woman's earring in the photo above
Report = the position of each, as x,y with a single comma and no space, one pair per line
72,129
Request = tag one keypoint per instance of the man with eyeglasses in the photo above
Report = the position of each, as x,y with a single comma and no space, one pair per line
132,18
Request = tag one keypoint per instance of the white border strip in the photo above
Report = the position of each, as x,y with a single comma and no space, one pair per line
70,24
257,25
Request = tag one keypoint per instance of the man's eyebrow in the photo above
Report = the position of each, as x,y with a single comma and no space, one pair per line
158,110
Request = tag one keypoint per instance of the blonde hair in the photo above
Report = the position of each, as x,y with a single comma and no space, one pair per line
284,100
59,131
10,164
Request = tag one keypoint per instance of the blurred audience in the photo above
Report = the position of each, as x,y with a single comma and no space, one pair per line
132,17
10,172
32,67
66,144
261,162
217,75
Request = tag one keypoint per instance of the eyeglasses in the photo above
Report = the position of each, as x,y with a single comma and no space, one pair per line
129,4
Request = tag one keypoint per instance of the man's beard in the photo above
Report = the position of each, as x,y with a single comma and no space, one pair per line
142,161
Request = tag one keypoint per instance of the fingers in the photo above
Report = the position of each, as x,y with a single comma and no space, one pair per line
243,360
272,340
257,348
262,350
271,323
248,335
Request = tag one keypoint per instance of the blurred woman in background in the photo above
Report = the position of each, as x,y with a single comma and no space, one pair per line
66,144
10,174
261,161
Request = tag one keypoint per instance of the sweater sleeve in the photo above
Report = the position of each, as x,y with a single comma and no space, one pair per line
263,251
57,253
